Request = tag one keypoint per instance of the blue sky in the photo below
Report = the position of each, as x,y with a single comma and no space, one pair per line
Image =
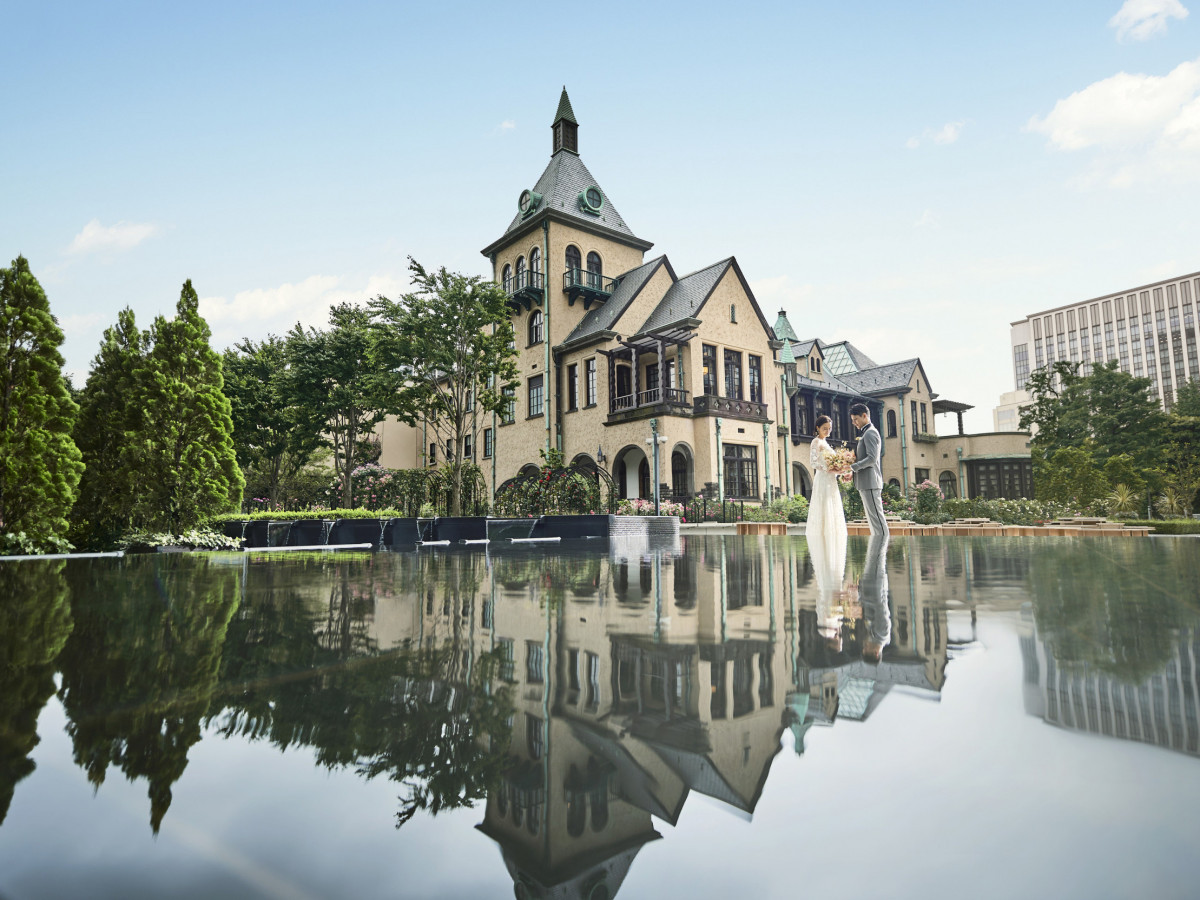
912,177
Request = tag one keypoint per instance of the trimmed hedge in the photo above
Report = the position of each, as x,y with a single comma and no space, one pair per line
1167,526
293,516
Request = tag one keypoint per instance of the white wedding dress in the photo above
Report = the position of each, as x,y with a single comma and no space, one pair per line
826,530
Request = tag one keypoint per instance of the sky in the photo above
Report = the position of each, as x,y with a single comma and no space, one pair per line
912,177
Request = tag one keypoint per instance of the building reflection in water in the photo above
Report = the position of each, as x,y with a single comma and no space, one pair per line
642,676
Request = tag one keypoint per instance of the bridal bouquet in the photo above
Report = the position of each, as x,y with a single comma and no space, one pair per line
838,462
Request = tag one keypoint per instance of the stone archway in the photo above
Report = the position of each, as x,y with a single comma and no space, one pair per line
683,472
627,472
801,480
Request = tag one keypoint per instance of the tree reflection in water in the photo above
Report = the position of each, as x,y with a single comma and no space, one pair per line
301,668
35,621
139,672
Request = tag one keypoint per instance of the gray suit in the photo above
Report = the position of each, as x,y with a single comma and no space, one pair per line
868,477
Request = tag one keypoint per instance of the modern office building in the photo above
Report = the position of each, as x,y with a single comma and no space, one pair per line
1149,331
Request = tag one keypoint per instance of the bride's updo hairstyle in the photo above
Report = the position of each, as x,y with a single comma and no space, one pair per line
823,420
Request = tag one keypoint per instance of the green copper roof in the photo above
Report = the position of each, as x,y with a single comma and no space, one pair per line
783,328
785,354
564,108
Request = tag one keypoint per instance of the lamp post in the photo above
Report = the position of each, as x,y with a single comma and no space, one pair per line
655,440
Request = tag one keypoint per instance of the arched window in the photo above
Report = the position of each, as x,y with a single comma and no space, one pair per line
520,279
535,261
949,484
574,263
535,327
595,269
894,482
644,489
891,419
506,278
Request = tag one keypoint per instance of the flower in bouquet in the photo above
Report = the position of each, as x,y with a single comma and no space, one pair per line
838,462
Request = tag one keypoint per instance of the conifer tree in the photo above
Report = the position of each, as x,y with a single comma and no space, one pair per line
39,462
183,453
107,420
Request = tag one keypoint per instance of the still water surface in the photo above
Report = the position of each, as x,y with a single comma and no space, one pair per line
695,719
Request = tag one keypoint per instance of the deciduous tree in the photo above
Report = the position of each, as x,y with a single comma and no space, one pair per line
339,392
447,345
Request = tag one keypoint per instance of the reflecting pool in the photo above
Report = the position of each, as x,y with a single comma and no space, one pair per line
707,716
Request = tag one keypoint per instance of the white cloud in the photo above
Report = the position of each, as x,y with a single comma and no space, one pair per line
506,125
1142,19
1140,127
123,236
947,134
926,219
260,311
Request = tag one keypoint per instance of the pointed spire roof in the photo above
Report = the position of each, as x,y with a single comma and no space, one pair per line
560,191
785,353
783,328
564,109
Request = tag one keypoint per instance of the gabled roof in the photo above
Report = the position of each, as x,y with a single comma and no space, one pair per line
881,379
560,185
803,348
604,317
686,298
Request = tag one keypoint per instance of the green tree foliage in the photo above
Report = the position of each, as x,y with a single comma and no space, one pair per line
1088,617
1108,414
1070,476
447,345
271,445
338,390
141,667
39,463
108,421
35,621
185,456
1187,399
156,428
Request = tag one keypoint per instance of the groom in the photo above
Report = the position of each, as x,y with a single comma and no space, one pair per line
868,477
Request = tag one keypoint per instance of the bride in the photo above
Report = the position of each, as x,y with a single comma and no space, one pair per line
826,529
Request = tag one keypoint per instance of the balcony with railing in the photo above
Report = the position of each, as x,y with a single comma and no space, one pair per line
924,437
527,289
652,402
590,287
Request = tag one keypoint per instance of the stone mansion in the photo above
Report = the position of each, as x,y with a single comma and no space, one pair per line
616,351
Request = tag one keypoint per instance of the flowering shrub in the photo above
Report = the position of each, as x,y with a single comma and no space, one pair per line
927,499
1009,512
639,507
554,490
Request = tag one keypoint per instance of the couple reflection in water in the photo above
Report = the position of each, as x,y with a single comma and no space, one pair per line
838,600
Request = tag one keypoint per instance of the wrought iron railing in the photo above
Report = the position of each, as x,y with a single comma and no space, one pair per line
514,284
592,281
